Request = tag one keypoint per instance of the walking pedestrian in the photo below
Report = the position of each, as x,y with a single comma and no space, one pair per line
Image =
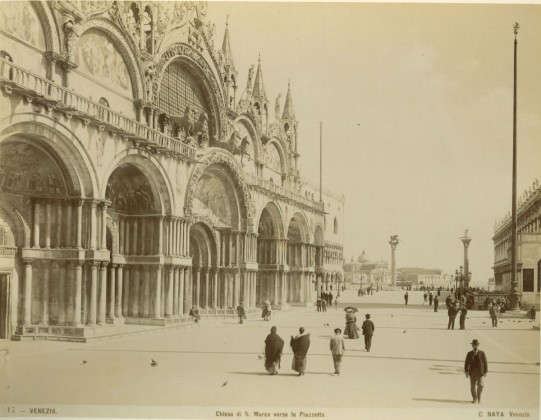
494,312
318,304
268,310
274,346
451,312
324,305
194,313
476,368
300,345
436,303
532,314
330,298
368,331
338,349
448,301
463,313
406,297
430,297
351,325
241,313
424,298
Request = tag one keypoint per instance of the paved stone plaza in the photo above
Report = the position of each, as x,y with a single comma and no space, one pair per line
415,364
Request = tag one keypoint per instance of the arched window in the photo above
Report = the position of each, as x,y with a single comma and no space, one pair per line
179,91
335,226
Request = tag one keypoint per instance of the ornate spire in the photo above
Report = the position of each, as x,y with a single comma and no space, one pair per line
289,112
226,46
258,92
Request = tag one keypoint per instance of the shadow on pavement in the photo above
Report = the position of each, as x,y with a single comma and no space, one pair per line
442,401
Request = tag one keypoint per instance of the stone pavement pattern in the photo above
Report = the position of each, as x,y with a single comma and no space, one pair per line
415,362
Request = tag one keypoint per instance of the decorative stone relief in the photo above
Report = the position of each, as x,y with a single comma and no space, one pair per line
247,207
20,20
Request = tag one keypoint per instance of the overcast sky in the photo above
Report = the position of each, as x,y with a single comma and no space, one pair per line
416,102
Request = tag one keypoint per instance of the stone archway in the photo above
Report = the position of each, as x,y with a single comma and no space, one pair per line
271,257
134,274
299,251
205,294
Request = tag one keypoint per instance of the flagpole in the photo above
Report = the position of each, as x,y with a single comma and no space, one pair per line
514,298
321,161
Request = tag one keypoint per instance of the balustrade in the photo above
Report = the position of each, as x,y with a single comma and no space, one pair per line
53,94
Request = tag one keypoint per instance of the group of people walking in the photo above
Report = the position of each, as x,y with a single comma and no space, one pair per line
300,343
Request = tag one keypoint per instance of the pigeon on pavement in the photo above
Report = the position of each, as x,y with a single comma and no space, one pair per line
153,363
225,383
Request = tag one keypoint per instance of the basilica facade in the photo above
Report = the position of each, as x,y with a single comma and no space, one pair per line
139,179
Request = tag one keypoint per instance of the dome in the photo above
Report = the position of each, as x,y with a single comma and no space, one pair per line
362,258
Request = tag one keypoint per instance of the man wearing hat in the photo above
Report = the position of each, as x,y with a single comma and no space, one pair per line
337,349
476,368
452,312
368,332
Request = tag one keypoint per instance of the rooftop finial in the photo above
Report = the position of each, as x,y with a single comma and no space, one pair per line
289,82
227,21
516,28
259,57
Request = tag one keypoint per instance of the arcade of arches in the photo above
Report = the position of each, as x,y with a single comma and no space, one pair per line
135,185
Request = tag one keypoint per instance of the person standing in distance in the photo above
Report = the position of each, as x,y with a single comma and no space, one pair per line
406,296
476,368
368,331
338,349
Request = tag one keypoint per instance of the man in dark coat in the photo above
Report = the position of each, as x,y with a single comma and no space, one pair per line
430,297
448,301
241,313
436,303
452,311
476,368
274,346
406,296
300,344
368,331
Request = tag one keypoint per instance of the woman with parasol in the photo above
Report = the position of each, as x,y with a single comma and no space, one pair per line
351,323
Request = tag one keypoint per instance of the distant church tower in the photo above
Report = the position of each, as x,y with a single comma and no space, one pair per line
259,99
230,73
290,125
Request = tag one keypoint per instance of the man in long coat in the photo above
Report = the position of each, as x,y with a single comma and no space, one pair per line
451,312
241,312
368,331
300,344
274,346
476,368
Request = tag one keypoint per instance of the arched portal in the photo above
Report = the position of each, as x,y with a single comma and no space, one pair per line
299,290
134,242
271,257
204,257
218,200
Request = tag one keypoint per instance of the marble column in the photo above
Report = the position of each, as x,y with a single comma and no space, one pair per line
102,297
27,314
58,229
79,224
196,286
175,290
158,292
93,223
135,238
45,272
214,274
48,216
92,314
35,237
205,272
134,289
62,304
126,291
160,235
112,292
146,282
103,244
68,243
182,295
170,292
77,294
118,295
